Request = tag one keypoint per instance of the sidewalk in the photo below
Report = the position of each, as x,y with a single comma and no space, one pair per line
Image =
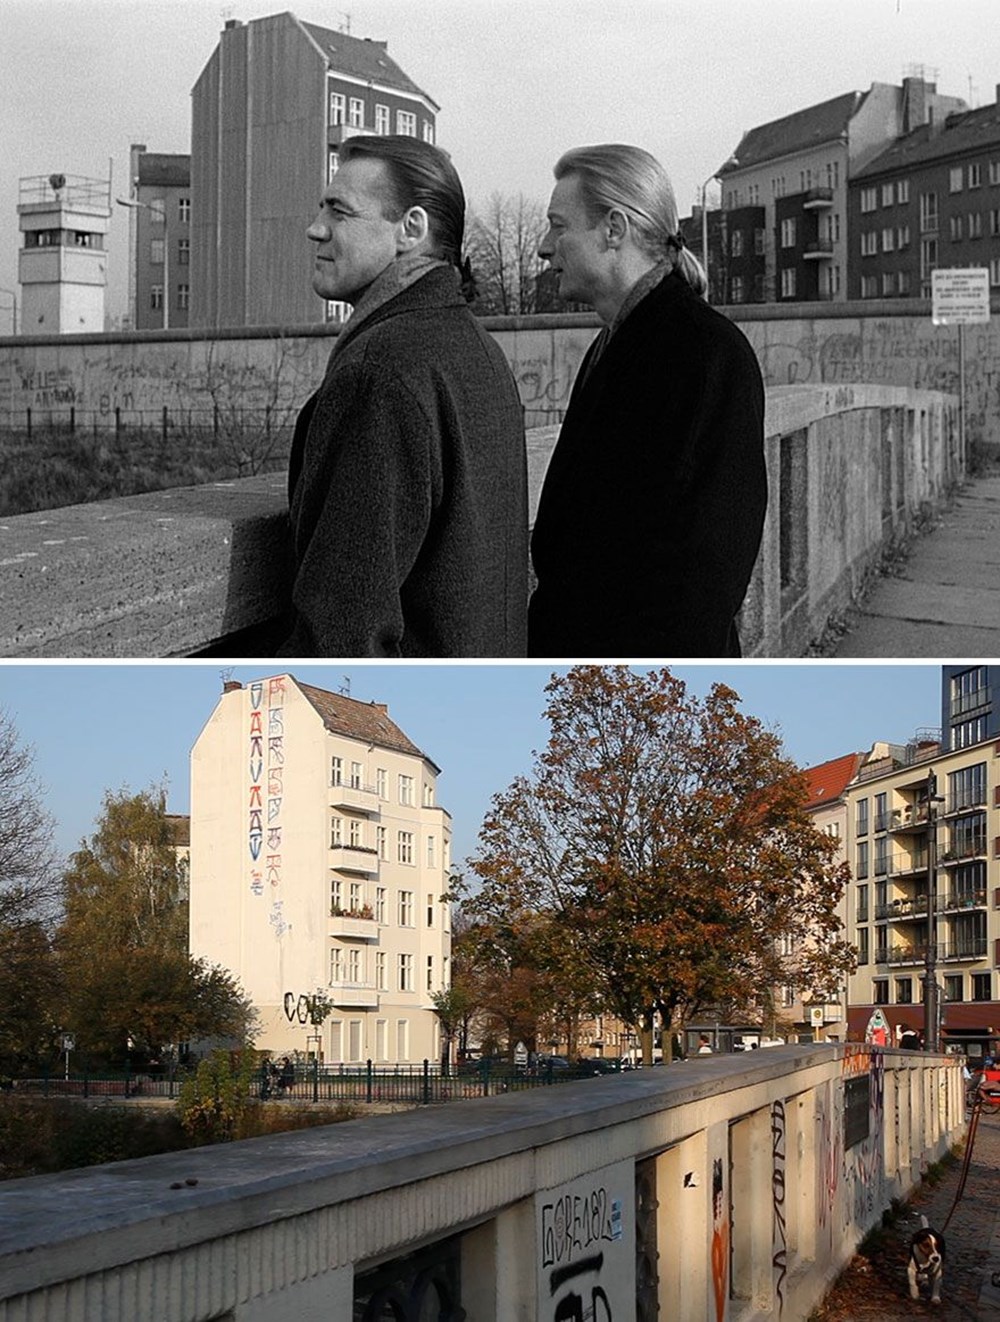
876,1290
944,601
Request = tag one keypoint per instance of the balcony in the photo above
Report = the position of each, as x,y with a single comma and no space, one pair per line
353,995
902,864
358,798
354,858
907,954
969,801
961,853
912,817
970,947
338,133
903,910
818,250
354,924
960,902
817,198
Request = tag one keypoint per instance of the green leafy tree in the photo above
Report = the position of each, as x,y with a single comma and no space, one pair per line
216,1102
130,982
29,879
668,840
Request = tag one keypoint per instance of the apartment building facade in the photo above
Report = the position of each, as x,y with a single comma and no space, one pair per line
924,842
319,863
930,200
786,189
270,113
159,239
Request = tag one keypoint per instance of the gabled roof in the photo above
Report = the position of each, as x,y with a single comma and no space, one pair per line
362,58
368,721
828,781
963,131
800,131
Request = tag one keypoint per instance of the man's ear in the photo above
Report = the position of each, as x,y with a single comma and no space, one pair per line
413,230
615,227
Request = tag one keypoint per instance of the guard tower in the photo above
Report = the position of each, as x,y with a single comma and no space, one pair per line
63,263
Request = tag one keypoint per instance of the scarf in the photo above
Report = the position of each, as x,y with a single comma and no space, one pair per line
396,277
643,286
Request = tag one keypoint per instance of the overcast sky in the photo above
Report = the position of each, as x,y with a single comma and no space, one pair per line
518,82
98,727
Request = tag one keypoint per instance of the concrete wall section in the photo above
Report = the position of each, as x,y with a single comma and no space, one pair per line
755,1176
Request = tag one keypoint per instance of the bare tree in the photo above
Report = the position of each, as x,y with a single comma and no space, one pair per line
29,881
502,243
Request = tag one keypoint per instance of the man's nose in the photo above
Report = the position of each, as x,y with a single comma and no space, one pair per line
318,231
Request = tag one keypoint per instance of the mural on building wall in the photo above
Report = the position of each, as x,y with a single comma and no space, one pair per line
779,1234
720,1241
266,766
585,1244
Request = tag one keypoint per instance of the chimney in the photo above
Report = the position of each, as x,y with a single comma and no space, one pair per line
382,707
231,686
914,103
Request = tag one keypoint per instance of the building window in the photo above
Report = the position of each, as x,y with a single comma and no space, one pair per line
428,794
982,986
380,978
953,986
430,972
904,991
995,271
869,199
928,211
928,258
356,113
405,908
975,230
903,236
356,776
888,237
336,771
887,195
428,131
736,289
975,175
333,165
736,243
888,284
833,174
402,1040
788,232
869,243
955,228
788,282
955,179
430,910
967,787
902,190
430,851
967,733
156,297
380,843
406,123
861,818
354,837
382,120
184,297
405,973
381,1030
833,279
380,905
902,282
338,108
184,210
758,241
336,895
184,252
355,973
382,783
336,832
862,945
995,172
880,991
862,905
156,248
861,870
406,790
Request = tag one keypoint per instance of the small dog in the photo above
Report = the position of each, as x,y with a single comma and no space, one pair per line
926,1266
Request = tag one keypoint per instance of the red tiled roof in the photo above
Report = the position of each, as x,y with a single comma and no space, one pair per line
360,720
828,781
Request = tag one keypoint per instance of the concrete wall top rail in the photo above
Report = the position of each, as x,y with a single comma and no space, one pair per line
93,1219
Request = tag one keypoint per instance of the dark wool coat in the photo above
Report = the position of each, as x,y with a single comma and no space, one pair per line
408,489
652,509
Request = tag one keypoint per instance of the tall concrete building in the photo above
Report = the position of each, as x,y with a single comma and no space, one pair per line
319,859
63,263
270,112
159,239
924,844
784,189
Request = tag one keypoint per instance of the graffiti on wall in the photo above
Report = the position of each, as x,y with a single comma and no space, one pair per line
720,1241
586,1248
266,768
779,1235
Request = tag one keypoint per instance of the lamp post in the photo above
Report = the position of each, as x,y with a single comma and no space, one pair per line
13,326
161,211
932,1008
704,211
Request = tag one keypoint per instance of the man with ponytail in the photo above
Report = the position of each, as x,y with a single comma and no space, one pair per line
652,509
407,477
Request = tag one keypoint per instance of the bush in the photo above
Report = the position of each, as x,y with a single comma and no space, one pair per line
39,1136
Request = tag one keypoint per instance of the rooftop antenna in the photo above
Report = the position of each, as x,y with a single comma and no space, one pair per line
227,12
345,688
226,675
346,25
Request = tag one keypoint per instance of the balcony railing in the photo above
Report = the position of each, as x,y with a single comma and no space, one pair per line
353,994
901,863
969,799
961,853
354,924
817,197
912,817
355,858
962,900
966,702
362,798
903,910
818,249
971,947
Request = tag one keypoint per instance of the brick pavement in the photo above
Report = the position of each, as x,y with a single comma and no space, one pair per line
876,1290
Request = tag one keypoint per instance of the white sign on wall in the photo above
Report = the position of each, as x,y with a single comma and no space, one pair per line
585,1247
960,296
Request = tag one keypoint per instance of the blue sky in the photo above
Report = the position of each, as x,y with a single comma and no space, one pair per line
95,727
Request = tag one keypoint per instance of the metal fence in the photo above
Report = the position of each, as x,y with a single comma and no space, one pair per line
266,421
364,1083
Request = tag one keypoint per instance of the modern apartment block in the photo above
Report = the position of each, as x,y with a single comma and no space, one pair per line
924,843
930,200
159,239
270,112
319,859
785,189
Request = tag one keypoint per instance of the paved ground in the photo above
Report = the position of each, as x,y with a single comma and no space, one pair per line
943,600
874,1289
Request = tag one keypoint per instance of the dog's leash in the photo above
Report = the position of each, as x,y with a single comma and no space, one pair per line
977,1106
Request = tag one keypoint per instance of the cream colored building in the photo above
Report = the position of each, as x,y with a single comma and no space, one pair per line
319,859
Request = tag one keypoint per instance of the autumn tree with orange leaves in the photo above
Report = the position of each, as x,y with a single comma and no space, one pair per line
666,840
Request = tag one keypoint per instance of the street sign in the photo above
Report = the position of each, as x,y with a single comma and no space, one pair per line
960,296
